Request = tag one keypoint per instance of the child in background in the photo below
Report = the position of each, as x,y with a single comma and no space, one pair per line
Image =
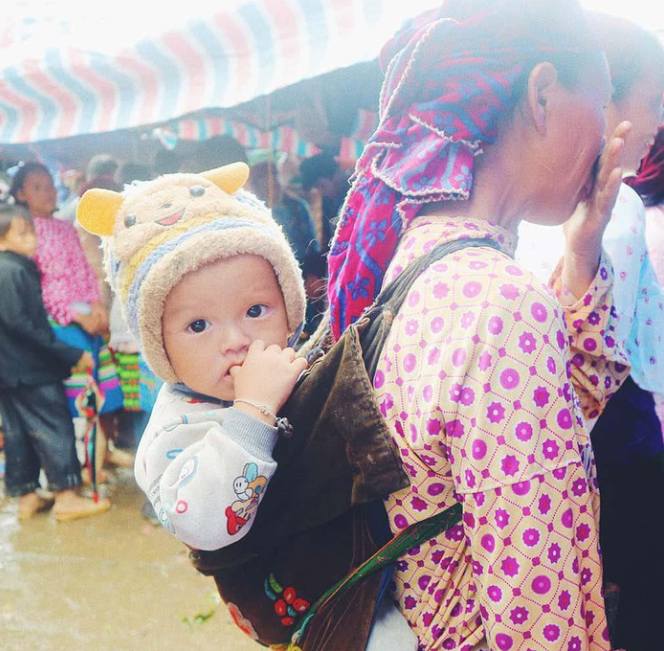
71,292
214,295
39,432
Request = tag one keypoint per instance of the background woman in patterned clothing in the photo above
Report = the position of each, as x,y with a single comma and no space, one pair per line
71,294
492,111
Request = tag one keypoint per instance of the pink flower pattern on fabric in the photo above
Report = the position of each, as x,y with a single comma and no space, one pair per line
67,276
523,571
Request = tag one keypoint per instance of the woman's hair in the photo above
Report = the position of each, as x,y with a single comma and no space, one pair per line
631,50
649,181
316,167
21,174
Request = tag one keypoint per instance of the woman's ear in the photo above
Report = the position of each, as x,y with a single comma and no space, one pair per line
542,84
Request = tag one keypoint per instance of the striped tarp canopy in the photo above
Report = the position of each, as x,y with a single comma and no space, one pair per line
69,68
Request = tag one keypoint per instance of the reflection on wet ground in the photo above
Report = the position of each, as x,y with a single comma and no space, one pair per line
106,583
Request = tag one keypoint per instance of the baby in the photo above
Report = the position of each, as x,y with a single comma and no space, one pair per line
214,294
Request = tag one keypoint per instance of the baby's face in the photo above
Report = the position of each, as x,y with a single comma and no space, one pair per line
212,316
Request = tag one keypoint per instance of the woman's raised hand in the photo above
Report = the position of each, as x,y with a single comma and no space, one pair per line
585,229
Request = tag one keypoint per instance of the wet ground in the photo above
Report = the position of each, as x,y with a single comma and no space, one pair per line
108,583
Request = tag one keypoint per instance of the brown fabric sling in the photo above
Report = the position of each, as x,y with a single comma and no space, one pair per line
311,529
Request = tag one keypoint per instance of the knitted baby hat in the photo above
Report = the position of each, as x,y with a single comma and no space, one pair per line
157,231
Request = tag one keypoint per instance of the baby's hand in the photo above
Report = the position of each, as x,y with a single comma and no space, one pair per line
267,375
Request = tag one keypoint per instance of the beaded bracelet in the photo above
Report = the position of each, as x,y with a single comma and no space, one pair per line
282,424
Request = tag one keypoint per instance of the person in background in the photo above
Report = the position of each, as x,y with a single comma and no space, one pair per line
71,295
132,419
649,183
73,181
214,152
165,161
487,373
106,172
39,433
324,182
101,173
271,184
627,437
288,210
130,172
314,270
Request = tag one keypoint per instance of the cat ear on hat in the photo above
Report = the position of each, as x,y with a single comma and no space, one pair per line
230,178
97,210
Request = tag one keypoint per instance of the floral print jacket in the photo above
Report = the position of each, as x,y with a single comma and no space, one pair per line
485,380
68,280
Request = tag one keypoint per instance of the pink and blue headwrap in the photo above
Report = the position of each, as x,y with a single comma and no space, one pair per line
447,83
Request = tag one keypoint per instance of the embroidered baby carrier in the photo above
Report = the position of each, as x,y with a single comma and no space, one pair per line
308,574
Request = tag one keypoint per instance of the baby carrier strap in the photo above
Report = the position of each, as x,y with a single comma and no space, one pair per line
374,331
394,549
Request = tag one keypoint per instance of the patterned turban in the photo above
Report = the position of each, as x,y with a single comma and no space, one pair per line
450,74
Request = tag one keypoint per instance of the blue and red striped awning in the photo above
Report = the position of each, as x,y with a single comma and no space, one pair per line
63,76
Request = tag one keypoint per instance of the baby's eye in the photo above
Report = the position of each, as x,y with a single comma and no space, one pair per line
200,325
256,310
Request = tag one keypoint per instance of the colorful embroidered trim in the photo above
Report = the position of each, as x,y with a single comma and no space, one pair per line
288,606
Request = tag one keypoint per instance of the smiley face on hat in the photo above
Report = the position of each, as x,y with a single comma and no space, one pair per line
145,210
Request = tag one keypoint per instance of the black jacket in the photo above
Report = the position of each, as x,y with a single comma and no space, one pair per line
29,352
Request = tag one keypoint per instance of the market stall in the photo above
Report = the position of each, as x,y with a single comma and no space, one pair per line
67,73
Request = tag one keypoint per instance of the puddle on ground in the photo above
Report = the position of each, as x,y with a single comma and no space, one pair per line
105,583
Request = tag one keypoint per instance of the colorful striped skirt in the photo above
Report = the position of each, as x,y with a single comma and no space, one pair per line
105,374
129,372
